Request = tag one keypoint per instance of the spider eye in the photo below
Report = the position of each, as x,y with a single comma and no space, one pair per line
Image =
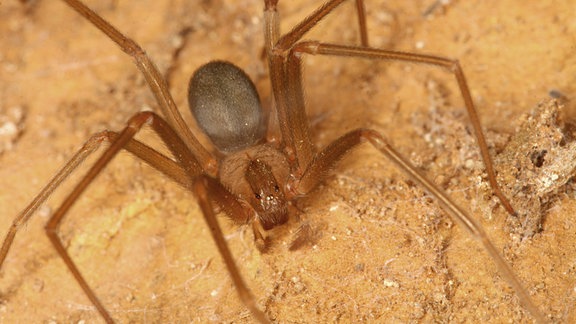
257,195
276,188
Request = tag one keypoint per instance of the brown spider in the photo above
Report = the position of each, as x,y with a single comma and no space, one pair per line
273,176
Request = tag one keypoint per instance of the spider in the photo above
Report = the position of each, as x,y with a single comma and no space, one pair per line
293,159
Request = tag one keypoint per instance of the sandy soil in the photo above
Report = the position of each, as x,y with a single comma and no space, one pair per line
386,251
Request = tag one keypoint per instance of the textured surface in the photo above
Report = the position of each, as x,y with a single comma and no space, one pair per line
385,251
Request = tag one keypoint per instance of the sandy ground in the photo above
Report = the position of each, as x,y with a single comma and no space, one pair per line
386,252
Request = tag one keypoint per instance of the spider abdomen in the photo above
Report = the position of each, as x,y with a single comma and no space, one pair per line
226,106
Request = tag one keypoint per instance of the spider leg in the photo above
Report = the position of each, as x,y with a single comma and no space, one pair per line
140,150
287,88
88,148
285,74
206,189
361,10
451,65
155,81
325,160
293,77
275,43
185,169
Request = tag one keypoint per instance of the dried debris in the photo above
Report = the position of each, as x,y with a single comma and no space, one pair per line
536,164
533,166
11,126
